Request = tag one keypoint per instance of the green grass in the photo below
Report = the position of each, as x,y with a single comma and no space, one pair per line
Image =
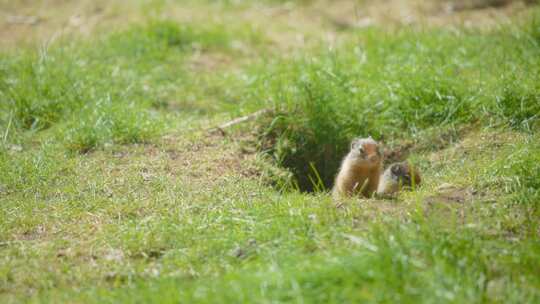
397,87
113,189
104,91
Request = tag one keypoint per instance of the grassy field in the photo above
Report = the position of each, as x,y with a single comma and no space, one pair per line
115,186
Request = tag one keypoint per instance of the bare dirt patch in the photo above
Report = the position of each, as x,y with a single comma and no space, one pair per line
450,194
205,161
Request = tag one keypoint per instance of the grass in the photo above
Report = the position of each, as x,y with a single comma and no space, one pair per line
105,94
326,99
113,189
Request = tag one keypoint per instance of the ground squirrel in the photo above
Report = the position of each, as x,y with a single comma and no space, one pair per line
397,176
360,170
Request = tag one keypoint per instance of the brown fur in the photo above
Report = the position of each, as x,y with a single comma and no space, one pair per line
360,170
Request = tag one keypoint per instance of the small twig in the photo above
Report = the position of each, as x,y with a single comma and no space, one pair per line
221,128
244,118
25,20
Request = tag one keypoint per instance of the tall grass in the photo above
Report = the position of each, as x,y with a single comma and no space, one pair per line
395,87
518,173
106,90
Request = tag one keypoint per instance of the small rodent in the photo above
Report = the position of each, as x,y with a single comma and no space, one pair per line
398,176
360,170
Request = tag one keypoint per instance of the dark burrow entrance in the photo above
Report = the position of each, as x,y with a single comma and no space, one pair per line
315,166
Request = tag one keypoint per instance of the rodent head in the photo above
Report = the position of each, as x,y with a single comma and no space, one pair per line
366,150
405,174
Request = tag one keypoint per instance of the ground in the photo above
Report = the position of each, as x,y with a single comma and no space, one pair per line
118,185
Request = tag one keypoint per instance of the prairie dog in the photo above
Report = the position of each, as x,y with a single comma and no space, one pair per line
360,170
398,176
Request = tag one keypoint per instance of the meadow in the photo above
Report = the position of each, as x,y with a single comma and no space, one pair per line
116,187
